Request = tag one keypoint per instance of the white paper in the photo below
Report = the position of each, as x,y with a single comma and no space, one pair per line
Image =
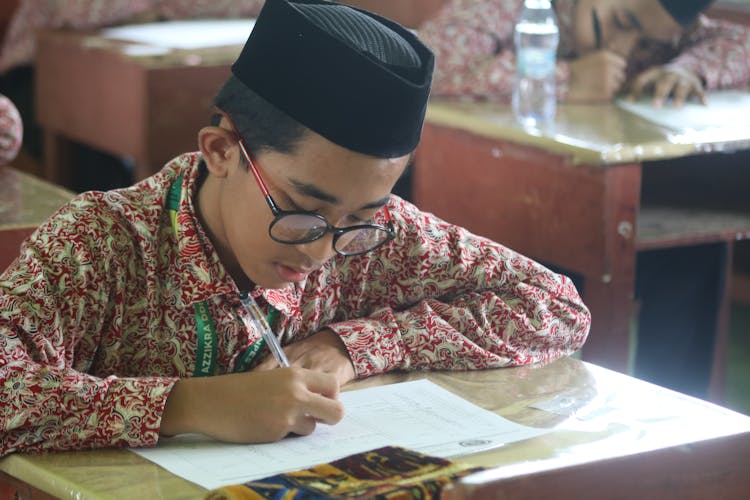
418,415
724,109
190,34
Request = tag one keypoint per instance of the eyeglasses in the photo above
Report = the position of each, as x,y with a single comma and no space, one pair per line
295,227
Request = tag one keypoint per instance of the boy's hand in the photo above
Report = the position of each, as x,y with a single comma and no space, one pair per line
596,77
253,407
668,81
323,351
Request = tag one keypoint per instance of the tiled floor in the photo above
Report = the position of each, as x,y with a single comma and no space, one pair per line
738,374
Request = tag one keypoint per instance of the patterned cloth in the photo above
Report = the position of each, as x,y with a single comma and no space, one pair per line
474,52
11,131
389,473
97,318
19,45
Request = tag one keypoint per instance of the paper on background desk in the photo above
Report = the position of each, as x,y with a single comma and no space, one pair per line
190,34
727,108
418,415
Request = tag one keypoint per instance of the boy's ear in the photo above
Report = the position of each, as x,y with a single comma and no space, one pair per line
218,146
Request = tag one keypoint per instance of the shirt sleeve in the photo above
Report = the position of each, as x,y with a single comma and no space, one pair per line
443,298
474,52
11,131
56,300
718,52
186,9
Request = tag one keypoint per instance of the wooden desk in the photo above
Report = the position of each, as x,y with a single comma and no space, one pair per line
25,202
608,418
571,197
150,109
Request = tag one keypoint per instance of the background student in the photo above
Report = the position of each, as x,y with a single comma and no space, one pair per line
606,47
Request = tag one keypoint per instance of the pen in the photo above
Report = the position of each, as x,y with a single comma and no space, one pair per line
597,28
248,302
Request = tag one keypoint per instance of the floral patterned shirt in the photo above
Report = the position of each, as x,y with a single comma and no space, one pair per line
11,131
98,317
19,44
475,55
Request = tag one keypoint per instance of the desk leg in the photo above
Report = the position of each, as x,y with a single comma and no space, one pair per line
57,167
610,340
717,385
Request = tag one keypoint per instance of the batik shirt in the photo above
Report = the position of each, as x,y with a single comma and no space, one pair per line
475,56
99,316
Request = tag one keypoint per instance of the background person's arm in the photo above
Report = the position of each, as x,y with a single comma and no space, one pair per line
713,55
11,131
410,13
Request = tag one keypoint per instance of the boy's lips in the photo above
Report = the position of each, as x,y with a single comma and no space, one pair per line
292,274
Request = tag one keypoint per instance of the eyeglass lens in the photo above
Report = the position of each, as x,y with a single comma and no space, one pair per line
303,228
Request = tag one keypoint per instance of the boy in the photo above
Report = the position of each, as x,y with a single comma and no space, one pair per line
121,319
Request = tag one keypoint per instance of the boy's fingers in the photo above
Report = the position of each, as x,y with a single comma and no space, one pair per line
681,93
663,88
322,383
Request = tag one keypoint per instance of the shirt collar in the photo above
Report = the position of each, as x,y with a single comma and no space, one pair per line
201,272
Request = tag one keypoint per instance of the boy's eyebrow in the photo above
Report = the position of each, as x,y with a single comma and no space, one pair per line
307,189
313,191
633,18
376,204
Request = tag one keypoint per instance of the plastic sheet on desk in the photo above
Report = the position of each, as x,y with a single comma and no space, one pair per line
594,134
720,112
189,34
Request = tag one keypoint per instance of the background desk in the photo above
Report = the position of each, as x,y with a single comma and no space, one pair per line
620,424
150,108
572,198
25,202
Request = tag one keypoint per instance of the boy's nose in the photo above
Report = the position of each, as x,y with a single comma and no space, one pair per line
319,250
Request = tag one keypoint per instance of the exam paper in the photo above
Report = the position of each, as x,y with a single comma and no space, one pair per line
724,109
418,415
189,34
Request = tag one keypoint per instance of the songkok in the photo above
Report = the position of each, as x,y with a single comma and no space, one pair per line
685,12
358,79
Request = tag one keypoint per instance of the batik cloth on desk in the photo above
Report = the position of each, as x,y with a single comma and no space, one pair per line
391,472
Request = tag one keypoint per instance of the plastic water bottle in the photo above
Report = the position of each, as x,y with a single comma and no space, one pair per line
536,38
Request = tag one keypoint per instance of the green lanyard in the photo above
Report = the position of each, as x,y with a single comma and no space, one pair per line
205,352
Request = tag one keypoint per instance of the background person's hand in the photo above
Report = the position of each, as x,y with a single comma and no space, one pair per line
323,351
668,81
253,407
596,77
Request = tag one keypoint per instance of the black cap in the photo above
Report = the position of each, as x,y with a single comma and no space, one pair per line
685,12
357,79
